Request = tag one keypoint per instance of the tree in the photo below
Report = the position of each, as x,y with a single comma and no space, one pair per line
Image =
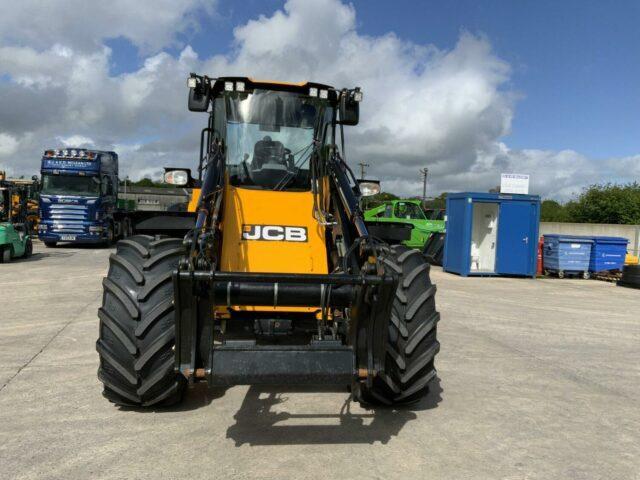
607,203
378,199
603,203
552,211
437,203
146,182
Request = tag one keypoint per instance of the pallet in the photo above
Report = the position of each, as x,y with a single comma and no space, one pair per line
607,276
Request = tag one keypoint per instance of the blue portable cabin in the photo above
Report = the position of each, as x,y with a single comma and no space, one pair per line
491,234
607,253
568,254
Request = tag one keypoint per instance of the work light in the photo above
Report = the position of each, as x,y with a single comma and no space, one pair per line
369,188
176,177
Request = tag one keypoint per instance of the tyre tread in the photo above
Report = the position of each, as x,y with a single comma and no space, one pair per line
411,343
137,332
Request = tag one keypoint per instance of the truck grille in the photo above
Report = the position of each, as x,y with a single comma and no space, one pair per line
68,218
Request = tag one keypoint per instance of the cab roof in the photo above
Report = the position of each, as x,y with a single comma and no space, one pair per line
275,84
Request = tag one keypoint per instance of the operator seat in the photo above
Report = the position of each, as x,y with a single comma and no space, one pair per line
267,151
269,163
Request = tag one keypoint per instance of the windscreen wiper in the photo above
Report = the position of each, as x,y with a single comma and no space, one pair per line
296,166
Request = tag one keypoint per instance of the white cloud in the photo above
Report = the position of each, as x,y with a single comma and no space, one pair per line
83,25
8,145
448,109
76,141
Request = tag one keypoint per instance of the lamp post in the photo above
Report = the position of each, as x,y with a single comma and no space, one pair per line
362,169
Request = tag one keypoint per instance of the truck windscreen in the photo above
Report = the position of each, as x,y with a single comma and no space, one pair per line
70,185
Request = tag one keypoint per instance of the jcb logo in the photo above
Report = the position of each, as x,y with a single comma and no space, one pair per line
274,233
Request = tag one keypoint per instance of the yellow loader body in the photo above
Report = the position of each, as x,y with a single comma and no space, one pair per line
269,231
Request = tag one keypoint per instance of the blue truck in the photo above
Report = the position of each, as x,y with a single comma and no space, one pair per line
79,201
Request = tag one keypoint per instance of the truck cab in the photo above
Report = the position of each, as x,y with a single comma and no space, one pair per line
78,197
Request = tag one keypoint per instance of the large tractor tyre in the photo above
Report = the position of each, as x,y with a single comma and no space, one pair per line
411,340
5,254
137,324
630,276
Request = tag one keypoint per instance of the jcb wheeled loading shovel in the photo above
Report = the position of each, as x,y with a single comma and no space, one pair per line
279,282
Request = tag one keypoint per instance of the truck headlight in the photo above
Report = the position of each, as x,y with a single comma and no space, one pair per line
42,227
95,229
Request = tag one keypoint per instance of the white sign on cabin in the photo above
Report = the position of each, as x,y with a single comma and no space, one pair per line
514,183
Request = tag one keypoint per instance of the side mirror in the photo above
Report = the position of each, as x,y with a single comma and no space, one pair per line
369,188
350,106
198,94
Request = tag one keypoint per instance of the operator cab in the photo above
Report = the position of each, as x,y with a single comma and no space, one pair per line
271,136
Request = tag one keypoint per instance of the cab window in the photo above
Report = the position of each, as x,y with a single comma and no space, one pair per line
409,211
386,213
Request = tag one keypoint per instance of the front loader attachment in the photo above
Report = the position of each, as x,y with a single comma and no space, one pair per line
203,352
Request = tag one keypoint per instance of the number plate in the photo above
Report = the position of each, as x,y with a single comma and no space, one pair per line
68,238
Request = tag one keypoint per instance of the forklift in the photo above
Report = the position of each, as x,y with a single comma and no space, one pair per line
15,232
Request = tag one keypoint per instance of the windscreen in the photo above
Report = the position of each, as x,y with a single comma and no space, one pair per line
409,211
270,139
70,185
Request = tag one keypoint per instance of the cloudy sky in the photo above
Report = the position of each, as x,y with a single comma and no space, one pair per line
468,89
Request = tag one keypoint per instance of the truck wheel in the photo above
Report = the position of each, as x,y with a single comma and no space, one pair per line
28,249
411,340
126,228
137,337
110,236
50,244
5,255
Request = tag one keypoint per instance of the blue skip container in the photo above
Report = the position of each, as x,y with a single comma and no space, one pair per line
567,254
607,253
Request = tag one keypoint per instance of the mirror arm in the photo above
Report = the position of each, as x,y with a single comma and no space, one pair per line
208,132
